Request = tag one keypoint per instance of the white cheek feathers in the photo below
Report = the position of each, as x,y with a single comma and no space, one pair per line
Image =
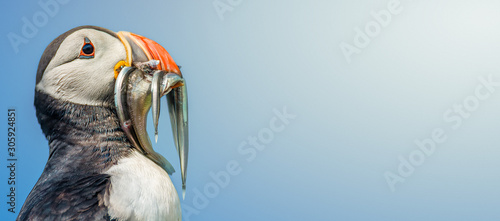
85,80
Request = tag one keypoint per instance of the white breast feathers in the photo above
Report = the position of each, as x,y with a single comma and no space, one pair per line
141,190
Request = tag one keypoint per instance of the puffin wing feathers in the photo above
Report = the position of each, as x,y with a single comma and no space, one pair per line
71,198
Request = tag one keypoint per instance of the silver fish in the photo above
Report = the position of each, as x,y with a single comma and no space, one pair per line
135,92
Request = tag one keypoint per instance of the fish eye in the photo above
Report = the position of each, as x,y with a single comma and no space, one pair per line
87,50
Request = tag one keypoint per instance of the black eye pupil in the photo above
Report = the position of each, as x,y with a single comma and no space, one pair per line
88,49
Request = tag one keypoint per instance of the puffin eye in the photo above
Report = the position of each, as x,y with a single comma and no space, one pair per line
87,49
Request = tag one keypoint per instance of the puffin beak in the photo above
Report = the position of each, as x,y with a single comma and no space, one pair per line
148,74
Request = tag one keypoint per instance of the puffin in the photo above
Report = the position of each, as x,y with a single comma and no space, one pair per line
94,89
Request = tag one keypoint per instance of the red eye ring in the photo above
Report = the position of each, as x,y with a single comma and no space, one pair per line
88,50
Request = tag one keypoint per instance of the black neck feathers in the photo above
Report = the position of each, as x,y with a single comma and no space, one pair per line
81,136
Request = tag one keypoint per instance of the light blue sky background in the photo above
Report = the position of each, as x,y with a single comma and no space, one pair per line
353,119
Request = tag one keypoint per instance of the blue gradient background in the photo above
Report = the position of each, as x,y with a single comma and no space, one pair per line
353,119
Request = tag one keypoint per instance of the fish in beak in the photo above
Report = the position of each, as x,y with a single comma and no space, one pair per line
148,74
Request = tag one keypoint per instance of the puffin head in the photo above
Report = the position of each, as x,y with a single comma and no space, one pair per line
93,66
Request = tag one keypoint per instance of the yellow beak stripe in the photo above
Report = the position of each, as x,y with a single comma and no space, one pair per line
128,50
